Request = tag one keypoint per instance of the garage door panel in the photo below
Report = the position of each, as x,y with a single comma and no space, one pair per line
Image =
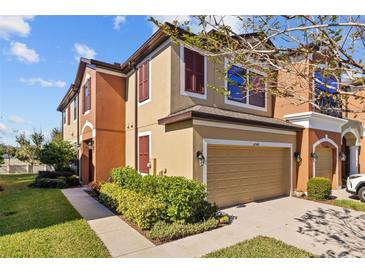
237,174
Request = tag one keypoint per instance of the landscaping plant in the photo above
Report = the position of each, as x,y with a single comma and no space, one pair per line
319,188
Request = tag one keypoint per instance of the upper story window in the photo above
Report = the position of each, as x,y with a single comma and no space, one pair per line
193,73
64,116
326,93
87,96
246,88
143,82
75,109
69,114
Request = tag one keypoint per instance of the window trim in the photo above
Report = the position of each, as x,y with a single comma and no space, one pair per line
184,92
149,82
74,109
68,115
87,80
247,104
141,134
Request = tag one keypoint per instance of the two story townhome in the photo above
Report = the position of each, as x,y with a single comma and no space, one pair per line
93,112
246,146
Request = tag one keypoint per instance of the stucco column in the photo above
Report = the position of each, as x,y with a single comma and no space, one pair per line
354,160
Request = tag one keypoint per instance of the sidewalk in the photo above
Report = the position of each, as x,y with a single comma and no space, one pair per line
118,237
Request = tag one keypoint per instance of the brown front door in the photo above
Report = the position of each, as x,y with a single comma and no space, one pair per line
91,167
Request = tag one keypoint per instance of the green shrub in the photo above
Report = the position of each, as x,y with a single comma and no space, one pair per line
49,183
185,199
54,174
126,177
72,180
319,188
224,219
167,232
136,207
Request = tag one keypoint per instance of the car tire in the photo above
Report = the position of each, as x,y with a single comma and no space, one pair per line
361,194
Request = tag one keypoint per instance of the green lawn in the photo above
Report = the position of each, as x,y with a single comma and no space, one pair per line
42,223
356,205
260,247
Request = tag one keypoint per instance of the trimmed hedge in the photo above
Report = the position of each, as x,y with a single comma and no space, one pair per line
136,207
163,231
55,179
185,199
319,188
49,183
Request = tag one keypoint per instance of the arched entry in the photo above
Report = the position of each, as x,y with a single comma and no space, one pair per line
350,148
326,164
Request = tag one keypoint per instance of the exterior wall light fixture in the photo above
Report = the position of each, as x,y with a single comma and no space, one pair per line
200,157
342,156
297,157
314,156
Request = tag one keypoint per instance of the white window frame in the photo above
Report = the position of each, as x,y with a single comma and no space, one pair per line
247,104
184,92
149,82
75,105
141,134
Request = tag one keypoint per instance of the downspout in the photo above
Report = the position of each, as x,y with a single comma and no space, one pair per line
78,134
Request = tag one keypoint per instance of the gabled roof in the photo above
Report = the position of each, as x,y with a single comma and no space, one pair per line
84,62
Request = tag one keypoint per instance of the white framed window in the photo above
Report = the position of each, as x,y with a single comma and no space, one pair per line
247,88
193,73
144,152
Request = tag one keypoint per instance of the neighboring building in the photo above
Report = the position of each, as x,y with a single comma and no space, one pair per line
168,121
14,166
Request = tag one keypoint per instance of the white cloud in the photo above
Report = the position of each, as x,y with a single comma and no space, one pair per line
3,129
118,20
16,119
83,50
43,83
17,25
23,53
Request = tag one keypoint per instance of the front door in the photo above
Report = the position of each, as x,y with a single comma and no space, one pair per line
91,167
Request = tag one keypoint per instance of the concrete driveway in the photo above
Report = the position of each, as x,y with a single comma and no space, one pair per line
325,230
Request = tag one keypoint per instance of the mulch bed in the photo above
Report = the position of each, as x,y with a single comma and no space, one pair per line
144,233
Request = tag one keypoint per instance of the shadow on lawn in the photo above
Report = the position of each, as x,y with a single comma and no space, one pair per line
340,227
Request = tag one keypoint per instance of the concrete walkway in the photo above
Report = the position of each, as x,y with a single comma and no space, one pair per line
325,230
118,237
322,229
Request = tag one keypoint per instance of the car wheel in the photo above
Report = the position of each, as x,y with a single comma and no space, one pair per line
361,194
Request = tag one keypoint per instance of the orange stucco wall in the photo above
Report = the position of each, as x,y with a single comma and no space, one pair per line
105,125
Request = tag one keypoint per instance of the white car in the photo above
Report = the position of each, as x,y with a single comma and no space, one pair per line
356,185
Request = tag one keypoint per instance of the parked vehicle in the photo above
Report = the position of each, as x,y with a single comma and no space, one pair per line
356,185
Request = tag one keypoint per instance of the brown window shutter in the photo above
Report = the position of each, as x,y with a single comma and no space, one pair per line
199,73
144,156
89,98
143,82
189,69
83,100
69,114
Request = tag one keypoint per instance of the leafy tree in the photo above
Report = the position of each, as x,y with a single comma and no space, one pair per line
28,150
1,155
293,45
56,134
8,150
58,154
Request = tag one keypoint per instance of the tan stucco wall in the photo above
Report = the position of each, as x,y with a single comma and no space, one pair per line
215,79
201,132
130,127
171,149
69,132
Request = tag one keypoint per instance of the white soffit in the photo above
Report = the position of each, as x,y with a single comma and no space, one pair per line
317,120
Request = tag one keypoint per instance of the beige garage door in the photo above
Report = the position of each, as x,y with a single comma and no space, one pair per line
324,163
238,174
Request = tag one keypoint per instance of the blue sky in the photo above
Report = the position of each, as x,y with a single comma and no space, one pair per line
38,62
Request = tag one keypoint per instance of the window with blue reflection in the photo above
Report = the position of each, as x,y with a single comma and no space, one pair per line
236,78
